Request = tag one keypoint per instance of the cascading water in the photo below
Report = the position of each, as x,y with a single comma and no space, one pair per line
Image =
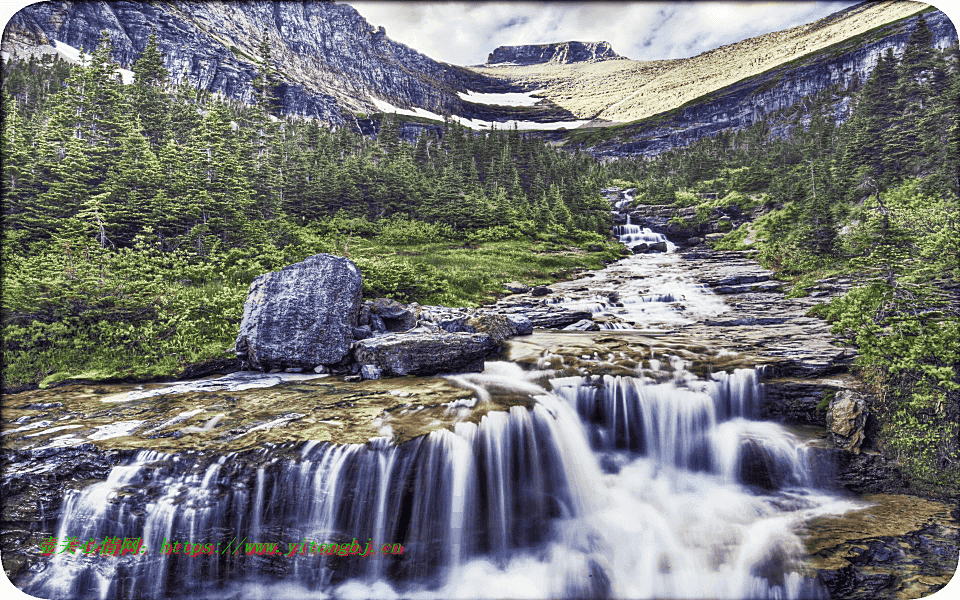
611,486
624,487
630,235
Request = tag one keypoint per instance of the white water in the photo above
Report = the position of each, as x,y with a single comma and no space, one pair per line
664,504
653,292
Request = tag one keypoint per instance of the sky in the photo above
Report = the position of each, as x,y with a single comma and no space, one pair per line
464,33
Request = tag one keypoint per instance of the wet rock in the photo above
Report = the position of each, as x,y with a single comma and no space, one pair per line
846,420
583,325
302,315
794,402
657,247
425,353
755,466
640,248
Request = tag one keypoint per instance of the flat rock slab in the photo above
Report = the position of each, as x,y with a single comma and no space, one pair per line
425,353
302,315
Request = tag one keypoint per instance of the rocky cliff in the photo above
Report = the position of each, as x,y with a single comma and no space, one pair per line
329,58
564,53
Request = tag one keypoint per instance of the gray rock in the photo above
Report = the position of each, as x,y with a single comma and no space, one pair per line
541,291
302,315
498,327
582,325
523,325
516,287
425,353
321,369
640,248
658,247
364,318
370,372
377,324
362,332
395,316
846,420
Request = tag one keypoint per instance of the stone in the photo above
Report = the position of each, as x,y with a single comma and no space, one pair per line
395,316
302,315
498,327
377,324
321,369
523,325
362,332
640,248
370,372
658,247
583,325
425,353
515,287
541,291
846,420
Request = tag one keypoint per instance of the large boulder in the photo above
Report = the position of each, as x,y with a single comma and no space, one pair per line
425,353
302,315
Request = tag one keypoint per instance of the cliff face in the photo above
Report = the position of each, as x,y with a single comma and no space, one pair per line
846,65
328,56
563,53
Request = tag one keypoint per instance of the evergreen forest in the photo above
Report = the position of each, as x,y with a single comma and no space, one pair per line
135,217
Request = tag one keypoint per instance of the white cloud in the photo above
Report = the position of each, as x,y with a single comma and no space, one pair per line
464,33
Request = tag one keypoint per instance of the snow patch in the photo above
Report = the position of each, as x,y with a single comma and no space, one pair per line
73,55
475,123
505,99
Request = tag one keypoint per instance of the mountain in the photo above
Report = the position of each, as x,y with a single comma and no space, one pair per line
564,53
334,66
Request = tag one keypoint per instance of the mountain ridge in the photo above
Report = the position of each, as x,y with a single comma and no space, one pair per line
335,65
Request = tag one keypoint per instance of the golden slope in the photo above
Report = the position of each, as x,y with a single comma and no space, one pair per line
627,90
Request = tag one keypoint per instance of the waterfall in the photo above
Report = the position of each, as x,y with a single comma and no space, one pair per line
607,486
630,235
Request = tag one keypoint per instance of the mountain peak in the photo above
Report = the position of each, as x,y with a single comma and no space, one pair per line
560,52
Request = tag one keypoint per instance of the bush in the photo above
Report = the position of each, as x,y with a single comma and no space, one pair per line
401,231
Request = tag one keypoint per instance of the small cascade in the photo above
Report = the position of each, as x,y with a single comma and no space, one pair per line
697,426
630,235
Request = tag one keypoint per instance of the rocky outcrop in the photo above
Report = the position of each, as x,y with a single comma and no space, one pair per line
847,420
424,353
302,315
563,53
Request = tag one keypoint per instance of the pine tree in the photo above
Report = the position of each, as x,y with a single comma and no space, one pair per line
149,92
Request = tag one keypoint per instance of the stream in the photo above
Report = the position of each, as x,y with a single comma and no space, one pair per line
631,462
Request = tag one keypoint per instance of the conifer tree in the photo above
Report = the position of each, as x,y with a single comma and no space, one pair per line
149,92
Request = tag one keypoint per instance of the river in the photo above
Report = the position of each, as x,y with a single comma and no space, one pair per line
638,461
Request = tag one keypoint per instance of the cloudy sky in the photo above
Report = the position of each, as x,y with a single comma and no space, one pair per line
464,33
